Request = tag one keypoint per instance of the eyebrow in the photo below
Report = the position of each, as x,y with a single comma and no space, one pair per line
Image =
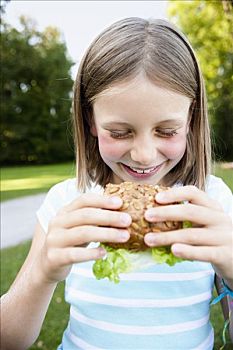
167,122
173,122
113,124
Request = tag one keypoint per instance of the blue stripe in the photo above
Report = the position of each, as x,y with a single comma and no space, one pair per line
67,344
109,340
142,289
143,317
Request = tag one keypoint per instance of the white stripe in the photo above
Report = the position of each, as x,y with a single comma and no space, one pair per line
207,342
149,276
139,330
139,303
79,342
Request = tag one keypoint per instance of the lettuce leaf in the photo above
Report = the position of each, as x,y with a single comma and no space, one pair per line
163,255
119,261
186,224
115,262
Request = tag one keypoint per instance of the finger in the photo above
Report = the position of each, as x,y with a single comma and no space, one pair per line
182,212
94,216
93,200
193,236
68,256
83,235
187,193
206,253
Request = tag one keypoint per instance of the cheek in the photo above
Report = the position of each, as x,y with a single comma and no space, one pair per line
175,147
110,149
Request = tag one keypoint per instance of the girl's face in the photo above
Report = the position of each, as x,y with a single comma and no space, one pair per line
141,129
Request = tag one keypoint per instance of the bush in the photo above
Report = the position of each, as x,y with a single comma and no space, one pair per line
36,96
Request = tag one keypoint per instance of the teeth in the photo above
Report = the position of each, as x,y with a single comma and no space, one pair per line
138,171
146,171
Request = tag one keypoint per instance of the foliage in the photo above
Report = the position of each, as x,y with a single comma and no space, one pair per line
208,25
36,95
3,6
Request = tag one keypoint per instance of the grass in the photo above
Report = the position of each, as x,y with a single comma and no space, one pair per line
225,174
58,312
29,180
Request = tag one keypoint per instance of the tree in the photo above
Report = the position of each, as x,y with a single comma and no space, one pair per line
3,6
208,25
35,95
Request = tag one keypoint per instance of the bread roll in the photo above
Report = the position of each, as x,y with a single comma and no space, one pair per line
137,198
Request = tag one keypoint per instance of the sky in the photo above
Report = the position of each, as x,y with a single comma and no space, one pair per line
81,21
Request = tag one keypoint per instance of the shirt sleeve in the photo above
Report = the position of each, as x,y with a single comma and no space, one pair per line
219,191
57,197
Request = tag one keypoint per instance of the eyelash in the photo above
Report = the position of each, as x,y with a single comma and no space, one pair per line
161,133
119,135
167,133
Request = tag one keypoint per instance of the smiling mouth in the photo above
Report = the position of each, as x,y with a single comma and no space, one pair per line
143,171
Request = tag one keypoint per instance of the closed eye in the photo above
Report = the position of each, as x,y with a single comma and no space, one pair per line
166,132
116,134
120,134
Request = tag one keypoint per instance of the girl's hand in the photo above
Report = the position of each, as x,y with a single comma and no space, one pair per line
210,239
90,218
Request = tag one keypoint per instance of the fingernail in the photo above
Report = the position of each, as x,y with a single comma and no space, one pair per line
124,236
125,219
116,200
176,250
150,239
149,214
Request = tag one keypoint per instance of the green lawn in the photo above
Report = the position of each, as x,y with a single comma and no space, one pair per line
28,180
58,313
225,174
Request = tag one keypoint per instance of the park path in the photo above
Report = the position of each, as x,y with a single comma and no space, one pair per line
18,218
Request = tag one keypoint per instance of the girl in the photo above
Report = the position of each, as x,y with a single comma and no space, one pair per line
140,115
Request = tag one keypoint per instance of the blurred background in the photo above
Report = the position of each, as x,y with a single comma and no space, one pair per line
42,43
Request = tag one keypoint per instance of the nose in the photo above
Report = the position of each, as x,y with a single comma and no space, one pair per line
144,151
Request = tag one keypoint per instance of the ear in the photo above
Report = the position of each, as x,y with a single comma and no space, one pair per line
93,129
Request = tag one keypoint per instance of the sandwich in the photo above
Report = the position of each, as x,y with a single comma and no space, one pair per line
135,254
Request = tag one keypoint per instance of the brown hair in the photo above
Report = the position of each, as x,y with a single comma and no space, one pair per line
159,50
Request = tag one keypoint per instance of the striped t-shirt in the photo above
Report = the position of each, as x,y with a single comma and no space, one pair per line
161,307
